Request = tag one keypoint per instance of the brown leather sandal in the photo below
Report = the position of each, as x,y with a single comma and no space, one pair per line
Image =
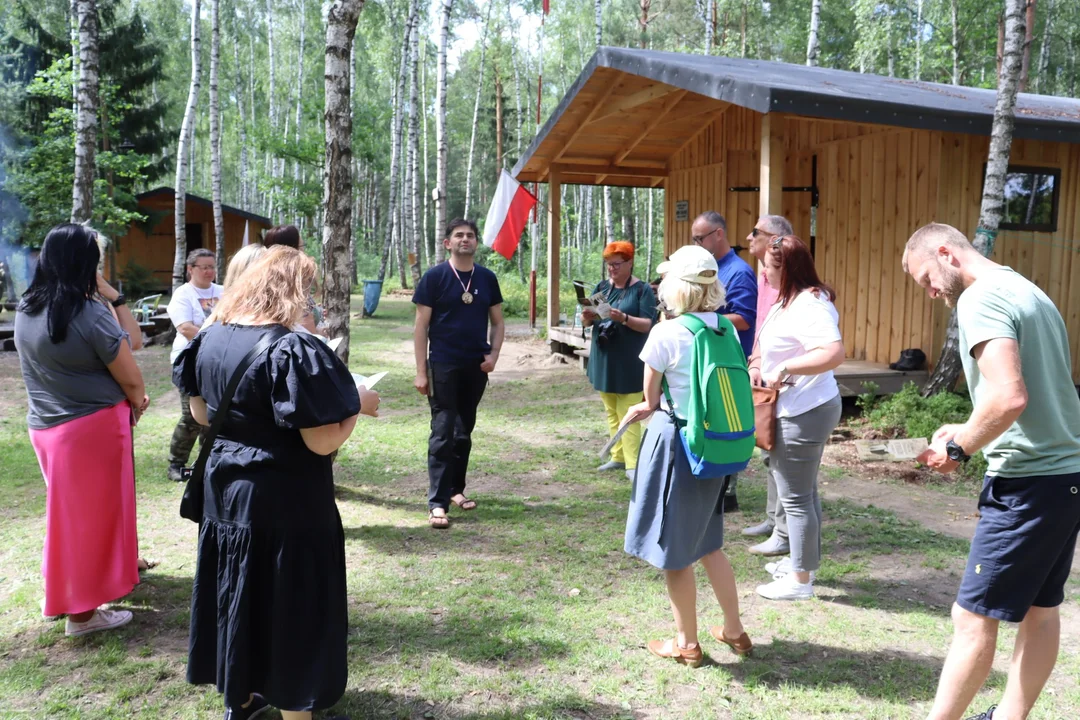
741,645
691,657
438,522
465,503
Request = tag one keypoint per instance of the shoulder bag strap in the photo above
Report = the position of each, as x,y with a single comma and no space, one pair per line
268,338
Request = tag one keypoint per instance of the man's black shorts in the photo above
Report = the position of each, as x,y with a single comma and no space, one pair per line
1023,546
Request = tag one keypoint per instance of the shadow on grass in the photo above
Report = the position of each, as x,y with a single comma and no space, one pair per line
929,593
379,704
883,674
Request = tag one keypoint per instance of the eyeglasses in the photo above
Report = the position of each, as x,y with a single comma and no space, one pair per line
615,265
205,267
698,239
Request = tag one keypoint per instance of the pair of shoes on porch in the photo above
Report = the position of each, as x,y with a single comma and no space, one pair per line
988,715
787,587
611,465
255,708
762,529
775,545
783,567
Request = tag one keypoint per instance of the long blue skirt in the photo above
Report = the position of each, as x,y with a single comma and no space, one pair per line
673,521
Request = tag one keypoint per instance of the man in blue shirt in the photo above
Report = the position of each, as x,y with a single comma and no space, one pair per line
454,354
709,231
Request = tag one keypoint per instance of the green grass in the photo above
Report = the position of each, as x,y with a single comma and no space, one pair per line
526,608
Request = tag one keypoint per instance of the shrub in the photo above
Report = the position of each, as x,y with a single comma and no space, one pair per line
913,416
139,281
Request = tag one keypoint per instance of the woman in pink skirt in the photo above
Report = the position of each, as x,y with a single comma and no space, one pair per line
75,336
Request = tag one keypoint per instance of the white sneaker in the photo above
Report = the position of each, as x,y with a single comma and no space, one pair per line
100,620
782,568
787,588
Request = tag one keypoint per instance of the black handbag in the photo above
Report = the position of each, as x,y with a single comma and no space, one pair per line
191,504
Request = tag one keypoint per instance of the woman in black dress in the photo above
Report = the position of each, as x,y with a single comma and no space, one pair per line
268,609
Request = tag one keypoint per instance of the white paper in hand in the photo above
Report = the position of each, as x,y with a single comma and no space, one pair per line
368,382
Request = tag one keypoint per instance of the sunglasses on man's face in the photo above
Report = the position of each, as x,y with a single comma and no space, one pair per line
698,239
758,232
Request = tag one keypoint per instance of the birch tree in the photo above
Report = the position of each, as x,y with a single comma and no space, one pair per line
476,106
440,130
337,163
82,193
215,137
187,130
609,221
393,221
992,210
954,6
812,49
414,157
238,80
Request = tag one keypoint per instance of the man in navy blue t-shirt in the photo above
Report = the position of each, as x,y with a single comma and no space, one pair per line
455,351
709,230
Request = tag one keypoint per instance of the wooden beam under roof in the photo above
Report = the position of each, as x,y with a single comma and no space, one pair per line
633,100
585,160
597,104
669,105
701,128
618,170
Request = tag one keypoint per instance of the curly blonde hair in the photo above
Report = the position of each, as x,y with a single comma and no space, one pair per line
273,289
680,296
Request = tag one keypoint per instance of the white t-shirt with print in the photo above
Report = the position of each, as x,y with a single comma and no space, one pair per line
806,323
668,350
193,305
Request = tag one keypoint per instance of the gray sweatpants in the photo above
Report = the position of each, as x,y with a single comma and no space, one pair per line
793,465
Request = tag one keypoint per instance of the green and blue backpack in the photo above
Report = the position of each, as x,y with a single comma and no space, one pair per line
718,433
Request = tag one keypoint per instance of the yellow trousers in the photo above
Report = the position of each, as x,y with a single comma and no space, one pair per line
626,450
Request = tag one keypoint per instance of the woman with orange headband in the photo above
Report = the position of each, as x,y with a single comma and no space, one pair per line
615,370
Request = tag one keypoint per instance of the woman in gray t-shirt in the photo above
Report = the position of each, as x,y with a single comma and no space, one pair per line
84,393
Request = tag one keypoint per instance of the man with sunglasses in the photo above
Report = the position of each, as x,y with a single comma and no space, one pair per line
766,231
709,230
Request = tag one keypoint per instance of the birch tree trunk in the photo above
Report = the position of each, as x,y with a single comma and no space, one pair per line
599,22
299,104
649,237
812,49
187,129
440,131
476,107
215,137
242,118
337,162
415,208
427,185
82,192
73,21
948,367
609,220
354,172
393,216
955,7
918,39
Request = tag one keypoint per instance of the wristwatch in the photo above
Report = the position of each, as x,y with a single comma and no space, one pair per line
955,452
121,299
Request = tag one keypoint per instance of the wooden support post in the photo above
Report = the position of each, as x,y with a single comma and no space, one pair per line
772,164
554,211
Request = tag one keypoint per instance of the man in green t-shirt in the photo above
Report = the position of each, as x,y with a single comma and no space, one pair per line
1026,420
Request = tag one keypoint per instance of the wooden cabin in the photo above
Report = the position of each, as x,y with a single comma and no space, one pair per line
152,243
857,162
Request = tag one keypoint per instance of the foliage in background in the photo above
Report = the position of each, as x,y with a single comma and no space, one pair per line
910,415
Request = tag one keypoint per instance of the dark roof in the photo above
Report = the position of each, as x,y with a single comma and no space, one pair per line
169,192
765,86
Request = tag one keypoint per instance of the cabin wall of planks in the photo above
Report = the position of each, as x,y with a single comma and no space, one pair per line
877,184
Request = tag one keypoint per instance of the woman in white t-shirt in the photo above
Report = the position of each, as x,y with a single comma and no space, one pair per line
798,347
676,519
188,309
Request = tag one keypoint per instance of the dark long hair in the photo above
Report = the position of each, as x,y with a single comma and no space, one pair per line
797,271
65,279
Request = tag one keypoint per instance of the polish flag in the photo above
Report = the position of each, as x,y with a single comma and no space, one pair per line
507,215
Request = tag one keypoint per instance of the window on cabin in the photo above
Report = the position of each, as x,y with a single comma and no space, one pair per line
1031,199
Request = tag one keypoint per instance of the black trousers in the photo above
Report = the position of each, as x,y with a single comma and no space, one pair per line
454,394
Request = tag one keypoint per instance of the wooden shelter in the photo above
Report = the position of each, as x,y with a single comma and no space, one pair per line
152,243
857,162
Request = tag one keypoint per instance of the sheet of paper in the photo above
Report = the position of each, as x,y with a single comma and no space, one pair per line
369,381
335,343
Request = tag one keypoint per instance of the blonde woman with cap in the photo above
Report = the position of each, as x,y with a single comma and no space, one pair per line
614,367
676,519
